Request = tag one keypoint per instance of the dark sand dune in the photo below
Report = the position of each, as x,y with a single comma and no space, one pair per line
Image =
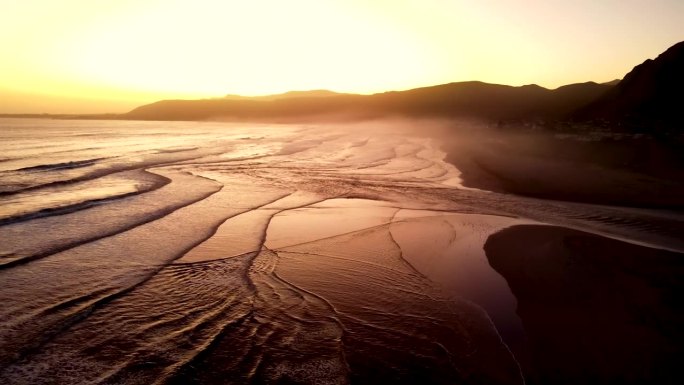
595,310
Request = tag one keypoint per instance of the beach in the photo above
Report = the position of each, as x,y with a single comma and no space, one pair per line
594,167
210,252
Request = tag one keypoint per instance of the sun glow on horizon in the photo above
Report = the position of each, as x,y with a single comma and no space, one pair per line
252,49
145,50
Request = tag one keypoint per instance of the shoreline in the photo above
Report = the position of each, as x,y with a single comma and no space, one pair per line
541,166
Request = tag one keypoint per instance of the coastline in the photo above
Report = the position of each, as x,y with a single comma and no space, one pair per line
633,173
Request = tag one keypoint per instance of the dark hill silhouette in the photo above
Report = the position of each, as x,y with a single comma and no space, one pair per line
650,96
612,82
463,99
567,99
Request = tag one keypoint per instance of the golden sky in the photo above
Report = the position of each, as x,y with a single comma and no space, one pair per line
77,56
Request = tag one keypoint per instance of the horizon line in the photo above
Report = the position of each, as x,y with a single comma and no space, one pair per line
332,91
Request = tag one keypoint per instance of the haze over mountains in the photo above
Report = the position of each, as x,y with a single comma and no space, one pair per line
464,99
646,96
286,95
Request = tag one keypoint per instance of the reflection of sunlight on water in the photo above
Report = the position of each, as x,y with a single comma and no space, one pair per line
250,150
42,199
333,217
448,248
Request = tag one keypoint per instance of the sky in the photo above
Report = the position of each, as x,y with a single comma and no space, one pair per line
92,56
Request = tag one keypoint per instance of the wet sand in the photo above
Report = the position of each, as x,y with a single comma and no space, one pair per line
272,254
627,172
278,254
595,310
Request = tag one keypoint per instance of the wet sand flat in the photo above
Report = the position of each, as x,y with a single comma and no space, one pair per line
637,172
301,254
594,309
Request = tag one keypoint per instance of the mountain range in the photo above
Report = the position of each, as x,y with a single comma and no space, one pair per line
649,95
463,99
